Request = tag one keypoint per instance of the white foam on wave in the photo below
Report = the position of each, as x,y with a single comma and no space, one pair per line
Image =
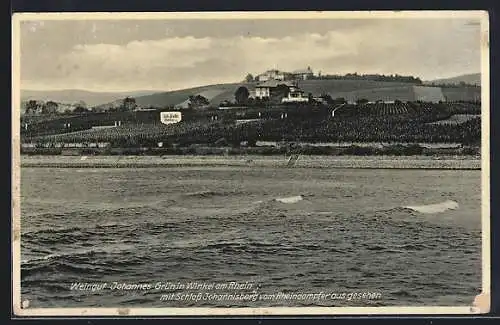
111,249
435,208
289,200
43,258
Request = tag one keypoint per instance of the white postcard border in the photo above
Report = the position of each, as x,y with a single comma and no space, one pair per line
482,303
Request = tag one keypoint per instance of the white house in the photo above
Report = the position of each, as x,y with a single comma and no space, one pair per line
272,75
264,89
295,95
303,74
262,92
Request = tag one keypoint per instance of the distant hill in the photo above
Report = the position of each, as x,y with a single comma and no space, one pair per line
70,96
470,79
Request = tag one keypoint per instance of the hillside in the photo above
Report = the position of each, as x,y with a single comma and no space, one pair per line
69,96
402,93
470,79
348,89
218,93
463,93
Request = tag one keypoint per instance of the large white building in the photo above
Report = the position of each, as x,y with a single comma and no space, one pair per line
272,75
303,74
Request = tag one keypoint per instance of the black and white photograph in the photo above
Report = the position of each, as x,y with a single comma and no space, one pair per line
249,163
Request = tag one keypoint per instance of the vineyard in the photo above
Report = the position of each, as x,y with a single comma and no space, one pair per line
370,122
440,110
135,133
368,129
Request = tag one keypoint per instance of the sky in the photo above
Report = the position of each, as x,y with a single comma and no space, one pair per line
130,55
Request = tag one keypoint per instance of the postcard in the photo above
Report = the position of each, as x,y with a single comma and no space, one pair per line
250,163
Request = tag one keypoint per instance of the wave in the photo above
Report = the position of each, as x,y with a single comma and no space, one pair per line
52,231
72,229
210,193
238,247
290,199
272,203
434,208
111,249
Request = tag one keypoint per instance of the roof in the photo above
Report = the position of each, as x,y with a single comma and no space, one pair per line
308,70
274,83
273,71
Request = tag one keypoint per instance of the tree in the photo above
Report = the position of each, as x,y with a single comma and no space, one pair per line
249,78
241,95
197,101
81,103
50,107
80,110
129,104
362,101
31,107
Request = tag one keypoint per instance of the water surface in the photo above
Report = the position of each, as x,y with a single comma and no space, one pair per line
413,236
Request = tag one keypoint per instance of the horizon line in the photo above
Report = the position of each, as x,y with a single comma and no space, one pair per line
213,84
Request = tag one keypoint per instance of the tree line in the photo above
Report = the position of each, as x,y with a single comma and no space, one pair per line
372,77
355,76
36,107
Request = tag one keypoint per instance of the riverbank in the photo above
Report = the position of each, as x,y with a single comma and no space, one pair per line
307,149
361,162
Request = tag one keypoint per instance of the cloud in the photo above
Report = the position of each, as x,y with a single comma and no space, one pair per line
428,49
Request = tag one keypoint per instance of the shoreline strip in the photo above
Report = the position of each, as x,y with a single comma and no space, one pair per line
325,163
110,166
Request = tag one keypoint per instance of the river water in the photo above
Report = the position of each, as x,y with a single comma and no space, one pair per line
393,237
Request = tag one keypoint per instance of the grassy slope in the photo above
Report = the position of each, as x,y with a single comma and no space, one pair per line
226,91
466,93
332,87
171,98
403,93
473,79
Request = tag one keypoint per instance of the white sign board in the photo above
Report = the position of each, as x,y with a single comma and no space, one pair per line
170,117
